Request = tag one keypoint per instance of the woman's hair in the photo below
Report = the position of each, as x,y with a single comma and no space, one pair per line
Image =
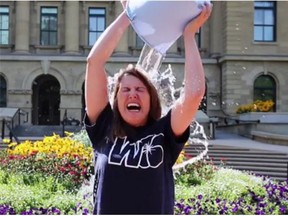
155,104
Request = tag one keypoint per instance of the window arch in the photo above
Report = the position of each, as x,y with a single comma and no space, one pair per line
265,89
46,100
3,92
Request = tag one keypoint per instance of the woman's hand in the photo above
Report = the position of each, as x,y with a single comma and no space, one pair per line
193,26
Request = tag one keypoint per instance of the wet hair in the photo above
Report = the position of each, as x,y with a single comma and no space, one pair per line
155,103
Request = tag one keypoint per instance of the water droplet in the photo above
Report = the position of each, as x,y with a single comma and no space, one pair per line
244,68
214,104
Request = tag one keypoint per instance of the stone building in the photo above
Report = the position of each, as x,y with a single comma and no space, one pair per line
44,45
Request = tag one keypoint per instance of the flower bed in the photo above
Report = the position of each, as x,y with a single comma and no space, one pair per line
256,106
53,176
230,192
46,177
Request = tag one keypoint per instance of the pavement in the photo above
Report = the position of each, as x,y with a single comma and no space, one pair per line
229,139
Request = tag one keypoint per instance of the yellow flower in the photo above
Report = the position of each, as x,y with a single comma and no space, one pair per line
69,134
6,141
180,158
256,106
54,145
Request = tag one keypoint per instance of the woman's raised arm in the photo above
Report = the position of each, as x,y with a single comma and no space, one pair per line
185,108
96,84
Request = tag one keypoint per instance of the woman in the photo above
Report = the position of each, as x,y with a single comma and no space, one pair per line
135,147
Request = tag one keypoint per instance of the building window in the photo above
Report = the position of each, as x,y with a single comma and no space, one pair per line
4,25
97,24
3,92
203,104
265,89
139,42
180,42
264,21
49,26
198,38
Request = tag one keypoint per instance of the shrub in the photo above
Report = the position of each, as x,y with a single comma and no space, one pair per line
196,173
36,194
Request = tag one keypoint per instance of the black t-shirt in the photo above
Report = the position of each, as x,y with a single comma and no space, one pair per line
134,173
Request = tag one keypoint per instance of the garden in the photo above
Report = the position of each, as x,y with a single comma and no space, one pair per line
55,175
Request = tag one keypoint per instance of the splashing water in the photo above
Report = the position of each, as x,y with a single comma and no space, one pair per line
197,136
149,64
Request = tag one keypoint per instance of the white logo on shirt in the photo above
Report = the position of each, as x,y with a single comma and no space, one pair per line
141,154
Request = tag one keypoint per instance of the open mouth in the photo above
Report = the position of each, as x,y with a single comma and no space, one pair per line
133,107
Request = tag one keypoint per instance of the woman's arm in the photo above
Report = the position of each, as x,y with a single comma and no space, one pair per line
96,89
187,105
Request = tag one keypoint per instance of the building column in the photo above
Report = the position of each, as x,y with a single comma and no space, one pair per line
122,47
216,37
22,27
72,27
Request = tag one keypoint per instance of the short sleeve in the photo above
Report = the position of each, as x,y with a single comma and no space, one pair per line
176,143
98,131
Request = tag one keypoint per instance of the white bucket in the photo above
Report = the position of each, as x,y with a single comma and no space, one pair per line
160,23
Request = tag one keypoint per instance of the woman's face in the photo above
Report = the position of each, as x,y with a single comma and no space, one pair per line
133,101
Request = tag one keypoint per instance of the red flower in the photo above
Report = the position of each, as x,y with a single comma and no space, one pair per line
68,166
188,156
62,169
34,152
76,156
72,172
12,157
